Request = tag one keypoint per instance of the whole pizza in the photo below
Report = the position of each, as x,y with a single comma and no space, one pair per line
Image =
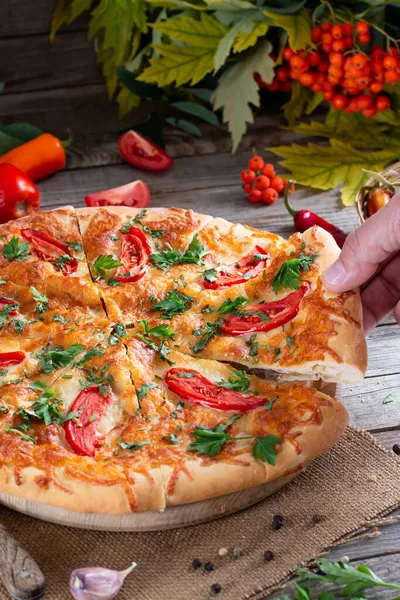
160,357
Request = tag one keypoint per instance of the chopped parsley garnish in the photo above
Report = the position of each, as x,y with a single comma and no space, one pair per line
131,446
289,340
173,439
240,382
113,282
231,306
211,441
89,355
5,311
210,275
93,378
52,359
186,375
14,250
75,246
104,263
155,233
42,301
288,274
62,260
268,405
168,256
19,325
208,309
210,332
178,408
160,331
117,334
174,303
24,436
251,342
145,389
61,319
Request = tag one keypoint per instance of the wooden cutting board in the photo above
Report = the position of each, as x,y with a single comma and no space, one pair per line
171,517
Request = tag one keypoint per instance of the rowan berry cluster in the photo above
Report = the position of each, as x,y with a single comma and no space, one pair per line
261,183
348,78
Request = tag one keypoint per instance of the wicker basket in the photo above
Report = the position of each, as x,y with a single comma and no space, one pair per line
389,177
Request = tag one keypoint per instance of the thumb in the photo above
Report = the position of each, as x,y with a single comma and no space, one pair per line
365,249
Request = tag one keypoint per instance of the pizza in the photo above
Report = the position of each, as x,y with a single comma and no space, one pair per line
160,357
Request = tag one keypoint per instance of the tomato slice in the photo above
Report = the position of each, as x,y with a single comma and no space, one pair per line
135,194
246,268
142,153
134,255
278,313
8,359
82,435
4,301
200,390
48,248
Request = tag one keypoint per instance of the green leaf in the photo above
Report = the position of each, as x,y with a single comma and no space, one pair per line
299,99
66,12
210,332
184,125
197,110
325,167
201,93
210,275
174,303
145,389
104,263
240,382
297,25
169,257
5,311
22,131
236,106
132,446
264,448
288,274
210,441
229,306
14,250
183,64
52,359
245,25
314,102
139,88
194,252
89,355
245,40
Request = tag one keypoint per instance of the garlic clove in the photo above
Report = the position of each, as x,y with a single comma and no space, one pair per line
97,583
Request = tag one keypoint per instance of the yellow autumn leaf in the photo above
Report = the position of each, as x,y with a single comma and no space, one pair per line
127,101
245,40
325,167
298,27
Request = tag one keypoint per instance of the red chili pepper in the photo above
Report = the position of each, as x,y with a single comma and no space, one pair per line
303,219
8,359
142,153
135,253
49,249
200,390
278,312
246,268
81,435
4,301
19,196
135,194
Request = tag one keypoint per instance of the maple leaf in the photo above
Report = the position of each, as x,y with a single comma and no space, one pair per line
245,40
325,167
189,63
297,25
237,106
65,12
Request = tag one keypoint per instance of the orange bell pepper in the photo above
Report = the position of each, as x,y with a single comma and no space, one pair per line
39,157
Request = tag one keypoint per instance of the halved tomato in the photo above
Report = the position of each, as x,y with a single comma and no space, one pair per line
142,153
136,194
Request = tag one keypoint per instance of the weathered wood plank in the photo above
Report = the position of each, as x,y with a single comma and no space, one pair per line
388,438
34,63
24,17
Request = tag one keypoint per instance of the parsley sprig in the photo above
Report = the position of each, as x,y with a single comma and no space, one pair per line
62,261
162,332
155,233
211,441
58,357
5,311
104,263
132,446
42,302
14,250
288,274
174,303
240,382
168,257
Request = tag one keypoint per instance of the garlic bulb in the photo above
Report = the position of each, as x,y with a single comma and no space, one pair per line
96,583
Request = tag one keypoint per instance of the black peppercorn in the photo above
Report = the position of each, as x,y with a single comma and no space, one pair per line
196,564
216,588
396,449
209,567
277,522
268,555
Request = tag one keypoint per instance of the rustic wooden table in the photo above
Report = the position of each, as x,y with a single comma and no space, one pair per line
59,86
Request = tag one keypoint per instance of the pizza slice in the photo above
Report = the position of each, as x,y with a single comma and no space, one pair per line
134,254
269,309
41,245
49,306
217,430
79,443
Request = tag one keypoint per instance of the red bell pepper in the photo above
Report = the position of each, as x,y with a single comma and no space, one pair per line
246,268
39,157
81,434
197,389
134,255
19,196
142,153
49,249
277,313
8,359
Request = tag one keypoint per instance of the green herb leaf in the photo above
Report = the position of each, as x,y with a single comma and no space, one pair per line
5,311
89,355
240,382
208,309
160,331
174,440
268,405
113,282
42,302
264,448
62,261
229,306
169,257
210,275
145,389
75,246
104,263
288,274
210,441
174,303
132,446
211,331
13,250
61,319
186,374
388,399
57,358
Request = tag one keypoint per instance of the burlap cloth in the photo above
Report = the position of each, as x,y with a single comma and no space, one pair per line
355,482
